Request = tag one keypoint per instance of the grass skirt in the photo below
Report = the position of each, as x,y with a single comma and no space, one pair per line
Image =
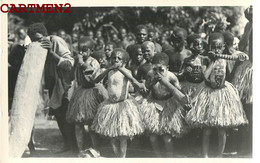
118,119
189,88
216,107
168,121
243,81
84,103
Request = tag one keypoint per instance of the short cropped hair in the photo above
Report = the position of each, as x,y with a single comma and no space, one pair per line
148,43
139,27
228,38
216,35
111,43
98,54
180,32
37,28
125,55
135,48
192,37
86,42
160,58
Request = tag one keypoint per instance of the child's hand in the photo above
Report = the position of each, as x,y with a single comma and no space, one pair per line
158,76
211,55
161,77
142,88
46,44
242,57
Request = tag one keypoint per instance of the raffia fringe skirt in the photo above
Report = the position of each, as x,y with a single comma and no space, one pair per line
189,88
163,116
84,104
118,119
243,81
216,107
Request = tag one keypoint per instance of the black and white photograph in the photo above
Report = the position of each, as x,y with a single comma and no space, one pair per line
130,82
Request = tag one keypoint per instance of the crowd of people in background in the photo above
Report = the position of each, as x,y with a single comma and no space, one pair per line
122,83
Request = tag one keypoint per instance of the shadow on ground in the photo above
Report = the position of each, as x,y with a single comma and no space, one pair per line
48,139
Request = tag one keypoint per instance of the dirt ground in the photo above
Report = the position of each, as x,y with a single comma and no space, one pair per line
48,139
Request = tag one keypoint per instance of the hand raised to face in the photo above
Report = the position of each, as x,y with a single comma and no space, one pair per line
46,44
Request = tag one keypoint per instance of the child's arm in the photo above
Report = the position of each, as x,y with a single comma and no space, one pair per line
183,68
174,89
205,63
150,82
139,74
103,74
207,72
132,79
174,80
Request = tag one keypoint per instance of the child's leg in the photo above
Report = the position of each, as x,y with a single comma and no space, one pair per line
205,143
93,137
168,145
115,145
79,132
123,146
221,141
155,144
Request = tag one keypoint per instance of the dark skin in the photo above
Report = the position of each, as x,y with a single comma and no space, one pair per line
143,71
176,60
119,65
141,35
46,44
196,49
64,128
137,61
172,85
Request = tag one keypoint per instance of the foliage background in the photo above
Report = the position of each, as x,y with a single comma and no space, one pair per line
129,17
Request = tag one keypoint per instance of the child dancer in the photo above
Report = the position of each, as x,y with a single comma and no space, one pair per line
217,104
194,66
118,117
162,112
87,96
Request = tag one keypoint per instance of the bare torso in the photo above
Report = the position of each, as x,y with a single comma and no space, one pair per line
117,86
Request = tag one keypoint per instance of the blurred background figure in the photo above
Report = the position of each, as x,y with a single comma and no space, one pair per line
66,37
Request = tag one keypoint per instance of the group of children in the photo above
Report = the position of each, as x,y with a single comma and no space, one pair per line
159,92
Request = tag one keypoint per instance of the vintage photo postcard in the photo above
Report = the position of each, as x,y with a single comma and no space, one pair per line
140,80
